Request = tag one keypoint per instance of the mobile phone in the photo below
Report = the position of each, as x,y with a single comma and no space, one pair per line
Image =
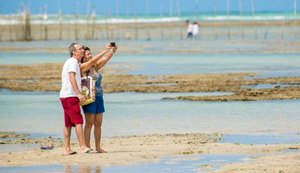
112,44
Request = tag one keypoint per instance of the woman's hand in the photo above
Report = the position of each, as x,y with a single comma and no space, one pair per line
107,47
114,49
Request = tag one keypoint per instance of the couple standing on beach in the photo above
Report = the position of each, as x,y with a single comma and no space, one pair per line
81,64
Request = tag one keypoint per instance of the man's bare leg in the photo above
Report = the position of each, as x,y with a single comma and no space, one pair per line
79,134
67,138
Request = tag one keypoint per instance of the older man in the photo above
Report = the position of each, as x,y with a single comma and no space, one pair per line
70,97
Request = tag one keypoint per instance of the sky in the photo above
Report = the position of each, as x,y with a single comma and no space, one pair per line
131,7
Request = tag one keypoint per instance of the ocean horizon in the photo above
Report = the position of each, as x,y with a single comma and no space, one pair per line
10,19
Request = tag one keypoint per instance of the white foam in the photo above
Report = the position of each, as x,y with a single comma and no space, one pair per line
83,19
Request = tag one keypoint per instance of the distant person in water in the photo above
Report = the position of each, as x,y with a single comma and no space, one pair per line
189,30
195,30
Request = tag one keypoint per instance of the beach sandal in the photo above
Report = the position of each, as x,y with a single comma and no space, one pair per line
69,153
47,147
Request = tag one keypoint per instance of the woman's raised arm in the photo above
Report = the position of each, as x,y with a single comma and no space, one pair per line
87,65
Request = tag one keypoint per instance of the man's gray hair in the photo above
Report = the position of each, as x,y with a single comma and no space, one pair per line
72,48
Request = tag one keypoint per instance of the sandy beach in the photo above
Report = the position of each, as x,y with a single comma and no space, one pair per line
127,150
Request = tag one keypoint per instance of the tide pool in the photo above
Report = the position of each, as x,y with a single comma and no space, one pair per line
189,164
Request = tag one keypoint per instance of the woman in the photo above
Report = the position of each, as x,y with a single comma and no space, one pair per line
94,111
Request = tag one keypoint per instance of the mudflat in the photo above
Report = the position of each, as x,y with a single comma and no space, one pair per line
46,77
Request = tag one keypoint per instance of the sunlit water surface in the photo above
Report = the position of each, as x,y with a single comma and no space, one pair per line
258,122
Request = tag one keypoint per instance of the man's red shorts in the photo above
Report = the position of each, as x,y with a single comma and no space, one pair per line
72,111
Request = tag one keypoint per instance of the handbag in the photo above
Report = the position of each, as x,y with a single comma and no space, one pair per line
88,89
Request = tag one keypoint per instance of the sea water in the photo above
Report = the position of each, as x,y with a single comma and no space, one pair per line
192,163
40,113
153,17
266,65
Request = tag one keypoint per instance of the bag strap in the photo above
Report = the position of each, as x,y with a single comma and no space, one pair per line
95,69
87,73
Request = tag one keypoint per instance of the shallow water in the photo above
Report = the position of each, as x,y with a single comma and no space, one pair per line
258,122
266,86
41,114
268,65
189,164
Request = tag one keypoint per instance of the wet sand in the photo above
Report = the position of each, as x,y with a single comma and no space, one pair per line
46,77
280,163
204,46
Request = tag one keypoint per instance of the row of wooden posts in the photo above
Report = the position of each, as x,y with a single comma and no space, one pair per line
25,31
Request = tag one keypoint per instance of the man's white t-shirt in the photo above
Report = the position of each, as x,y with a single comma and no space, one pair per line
71,65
